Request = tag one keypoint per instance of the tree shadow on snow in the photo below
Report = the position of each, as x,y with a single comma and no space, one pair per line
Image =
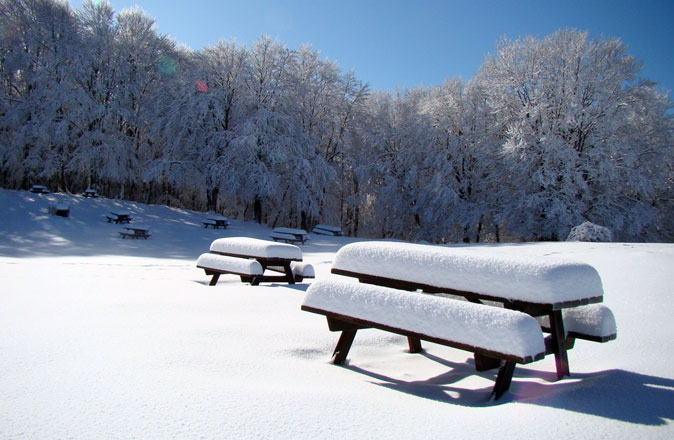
613,394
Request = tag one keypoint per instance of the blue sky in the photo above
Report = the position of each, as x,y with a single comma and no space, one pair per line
407,43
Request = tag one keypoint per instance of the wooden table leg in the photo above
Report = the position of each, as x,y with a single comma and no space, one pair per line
414,344
558,337
289,272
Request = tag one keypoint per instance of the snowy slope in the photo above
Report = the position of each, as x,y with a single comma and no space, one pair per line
108,338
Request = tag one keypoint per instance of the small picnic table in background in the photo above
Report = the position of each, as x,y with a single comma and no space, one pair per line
327,230
119,217
135,232
216,222
90,193
289,235
39,189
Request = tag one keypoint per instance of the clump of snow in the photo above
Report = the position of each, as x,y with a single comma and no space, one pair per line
492,328
475,269
255,247
588,231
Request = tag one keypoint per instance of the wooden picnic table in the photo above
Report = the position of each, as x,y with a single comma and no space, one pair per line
135,232
415,264
90,193
216,222
289,235
327,230
39,189
119,217
271,256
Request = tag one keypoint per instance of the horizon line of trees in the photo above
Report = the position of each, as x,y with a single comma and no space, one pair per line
549,133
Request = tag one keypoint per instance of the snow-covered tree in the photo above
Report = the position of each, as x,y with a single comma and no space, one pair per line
564,102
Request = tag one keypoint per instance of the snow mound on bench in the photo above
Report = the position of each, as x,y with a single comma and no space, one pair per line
491,328
254,247
230,264
541,280
593,320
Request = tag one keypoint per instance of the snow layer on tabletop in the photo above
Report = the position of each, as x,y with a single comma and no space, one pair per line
255,247
492,328
540,280
230,264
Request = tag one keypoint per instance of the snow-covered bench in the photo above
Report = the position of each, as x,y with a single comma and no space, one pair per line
216,265
242,252
539,286
327,230
506,336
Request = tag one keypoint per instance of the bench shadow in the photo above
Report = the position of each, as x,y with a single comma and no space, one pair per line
613,394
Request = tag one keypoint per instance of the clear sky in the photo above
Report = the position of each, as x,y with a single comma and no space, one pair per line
405,43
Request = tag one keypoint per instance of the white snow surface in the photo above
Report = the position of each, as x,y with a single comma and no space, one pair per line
231,264
123,339
542,280
256,248
492,328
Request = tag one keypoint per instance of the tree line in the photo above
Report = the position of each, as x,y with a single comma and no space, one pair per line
549,133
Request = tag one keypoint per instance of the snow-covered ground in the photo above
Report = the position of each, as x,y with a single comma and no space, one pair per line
123,339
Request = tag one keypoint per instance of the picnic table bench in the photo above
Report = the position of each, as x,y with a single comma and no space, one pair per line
135,232
556,291
216,222
499,338
250,258
327,230
119,217
289,235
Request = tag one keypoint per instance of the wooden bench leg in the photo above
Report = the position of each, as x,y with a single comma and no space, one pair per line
414,344
343,346
214,280
558,341
503,379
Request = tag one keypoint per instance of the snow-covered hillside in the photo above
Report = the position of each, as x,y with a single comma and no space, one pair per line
108,338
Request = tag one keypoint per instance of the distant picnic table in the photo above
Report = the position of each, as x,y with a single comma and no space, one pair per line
216,222
119,217
327,230
90,193
289,235
135,232
250,258
39,189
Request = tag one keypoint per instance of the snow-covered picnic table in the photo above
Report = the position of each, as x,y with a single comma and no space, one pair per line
216,221
90,193
540,287
289,235
327,230
135,232
119,217
250,258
